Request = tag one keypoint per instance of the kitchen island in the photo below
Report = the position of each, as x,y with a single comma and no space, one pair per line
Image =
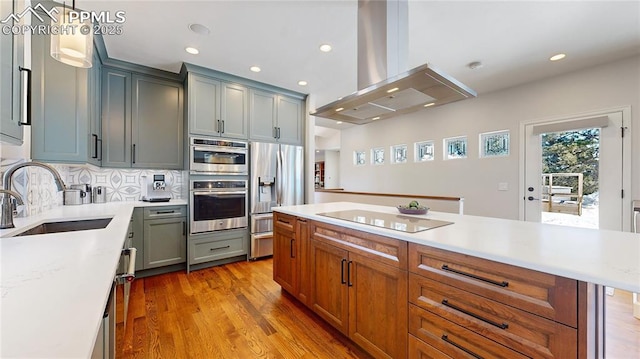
55,286
487,286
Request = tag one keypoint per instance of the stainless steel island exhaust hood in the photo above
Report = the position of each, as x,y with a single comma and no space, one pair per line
385,92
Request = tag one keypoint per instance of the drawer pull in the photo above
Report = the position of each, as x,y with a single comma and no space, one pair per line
502,326
215,249
446,339
165,212
342,280
490,281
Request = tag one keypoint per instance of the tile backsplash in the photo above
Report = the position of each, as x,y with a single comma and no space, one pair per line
37,188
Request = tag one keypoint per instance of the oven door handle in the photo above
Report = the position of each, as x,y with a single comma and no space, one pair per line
218,194
260,236
219,149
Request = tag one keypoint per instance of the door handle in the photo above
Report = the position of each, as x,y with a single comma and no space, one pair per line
342,280
350,283
28,71
531,198
222,127
133,155
95,145
100,157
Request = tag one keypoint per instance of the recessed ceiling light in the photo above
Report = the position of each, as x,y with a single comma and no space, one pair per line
393,90
339,109
430,104
302,83
339,122
557,57
199,29
375,118
317,151
475,65
255,69
325,47
192,50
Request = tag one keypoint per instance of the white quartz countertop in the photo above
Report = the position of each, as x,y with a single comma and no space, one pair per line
602,257
54,287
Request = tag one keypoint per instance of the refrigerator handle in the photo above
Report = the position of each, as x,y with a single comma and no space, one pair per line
279,177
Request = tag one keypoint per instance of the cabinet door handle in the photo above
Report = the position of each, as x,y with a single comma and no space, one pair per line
342,280
219,248
291,250
275,132
95,145
446,339
502,326
487,280
184,228
28,71
278,132
350,284
218,126
222,127
130,234
100,147
133,154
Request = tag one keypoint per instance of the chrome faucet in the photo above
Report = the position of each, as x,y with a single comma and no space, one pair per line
7,209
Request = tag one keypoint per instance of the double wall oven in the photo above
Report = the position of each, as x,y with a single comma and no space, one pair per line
218,186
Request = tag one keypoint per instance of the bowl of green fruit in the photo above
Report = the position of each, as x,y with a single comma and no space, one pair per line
413,208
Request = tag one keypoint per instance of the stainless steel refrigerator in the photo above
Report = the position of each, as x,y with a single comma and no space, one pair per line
277,179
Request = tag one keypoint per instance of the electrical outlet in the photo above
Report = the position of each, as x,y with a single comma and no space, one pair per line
503,186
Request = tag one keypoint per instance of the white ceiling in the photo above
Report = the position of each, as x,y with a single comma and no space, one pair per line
513,39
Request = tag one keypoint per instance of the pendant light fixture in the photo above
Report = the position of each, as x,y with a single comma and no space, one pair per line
73,44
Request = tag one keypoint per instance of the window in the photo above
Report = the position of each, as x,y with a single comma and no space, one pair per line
359,158
424,151
377,156
455,147
399,154
494,144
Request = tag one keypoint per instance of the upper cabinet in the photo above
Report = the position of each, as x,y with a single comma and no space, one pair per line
276,117
11,59
142,121
65,104
216,108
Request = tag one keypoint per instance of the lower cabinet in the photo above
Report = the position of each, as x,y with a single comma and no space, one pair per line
355,281
160,236
214,246
405,300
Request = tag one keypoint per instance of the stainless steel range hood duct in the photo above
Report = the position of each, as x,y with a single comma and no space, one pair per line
386,90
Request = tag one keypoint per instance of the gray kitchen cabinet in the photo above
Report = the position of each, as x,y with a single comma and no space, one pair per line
142,121
95,115
157,112
213,246
289,120
164,236
62,103
275,117
11,58
116,118
203,101
263,116
217,108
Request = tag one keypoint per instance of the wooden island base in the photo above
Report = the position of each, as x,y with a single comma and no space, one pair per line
397,299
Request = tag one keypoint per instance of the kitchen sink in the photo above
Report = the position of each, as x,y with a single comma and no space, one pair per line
66,226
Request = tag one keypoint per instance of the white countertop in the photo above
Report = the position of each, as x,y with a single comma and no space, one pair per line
602,257
54,287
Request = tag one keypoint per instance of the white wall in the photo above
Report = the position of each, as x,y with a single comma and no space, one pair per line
331,169
606,86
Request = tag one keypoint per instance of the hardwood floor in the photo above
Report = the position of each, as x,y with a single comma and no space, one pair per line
231,311
622,328
238,311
